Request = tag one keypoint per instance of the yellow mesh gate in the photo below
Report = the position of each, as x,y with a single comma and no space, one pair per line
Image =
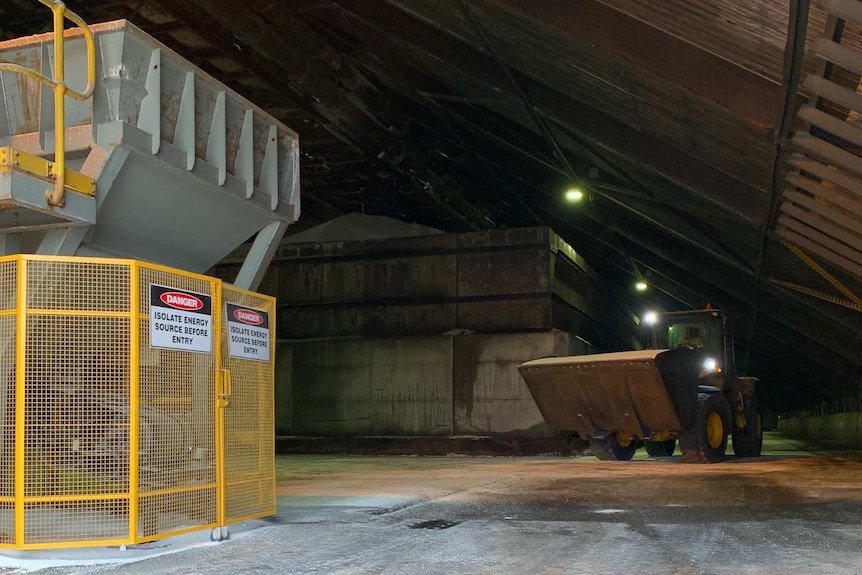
249,416
114,427
176,475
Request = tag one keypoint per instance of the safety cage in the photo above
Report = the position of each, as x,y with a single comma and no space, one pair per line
136,402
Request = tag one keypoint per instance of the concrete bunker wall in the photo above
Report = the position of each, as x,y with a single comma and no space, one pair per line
839,428
439,386
524,279
421,336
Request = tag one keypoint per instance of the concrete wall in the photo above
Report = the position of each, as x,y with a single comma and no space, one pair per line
283,388
841,428
369,387
490,397
371,323
494,281
412,386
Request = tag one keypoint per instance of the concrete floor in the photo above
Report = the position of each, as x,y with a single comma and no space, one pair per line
793,511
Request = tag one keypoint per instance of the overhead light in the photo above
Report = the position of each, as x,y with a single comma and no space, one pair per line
650,318
641,285
574,195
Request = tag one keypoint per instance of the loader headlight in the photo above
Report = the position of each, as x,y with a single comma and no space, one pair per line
709,368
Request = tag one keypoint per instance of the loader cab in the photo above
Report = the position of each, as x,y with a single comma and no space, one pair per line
705,331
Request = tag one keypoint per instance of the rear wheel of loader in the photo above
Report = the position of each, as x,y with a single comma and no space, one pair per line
707,441
660,448
613,448
748,441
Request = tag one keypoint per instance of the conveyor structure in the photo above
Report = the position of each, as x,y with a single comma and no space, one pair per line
136,394
163,163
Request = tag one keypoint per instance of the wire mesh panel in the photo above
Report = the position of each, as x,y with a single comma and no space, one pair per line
77,405
7,411
174,511
75,522
8,324
85,285
247,353
76,401
8,284
176,462
7,524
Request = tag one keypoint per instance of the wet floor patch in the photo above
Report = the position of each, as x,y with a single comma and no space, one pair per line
434,524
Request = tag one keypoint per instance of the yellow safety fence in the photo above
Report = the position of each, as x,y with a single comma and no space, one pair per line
136,402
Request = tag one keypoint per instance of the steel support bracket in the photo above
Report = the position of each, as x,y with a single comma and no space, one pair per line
13,159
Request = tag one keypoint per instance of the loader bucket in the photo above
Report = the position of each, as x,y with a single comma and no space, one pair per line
634,393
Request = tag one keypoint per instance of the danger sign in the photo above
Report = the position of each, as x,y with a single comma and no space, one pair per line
248,330
180,319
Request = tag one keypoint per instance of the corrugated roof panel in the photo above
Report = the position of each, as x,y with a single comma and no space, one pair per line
639,98
751,33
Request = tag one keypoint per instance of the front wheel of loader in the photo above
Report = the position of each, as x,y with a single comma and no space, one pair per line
748,440
660,448
613,448
706,442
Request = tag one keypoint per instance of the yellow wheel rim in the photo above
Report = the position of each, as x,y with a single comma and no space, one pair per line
714,430
623,441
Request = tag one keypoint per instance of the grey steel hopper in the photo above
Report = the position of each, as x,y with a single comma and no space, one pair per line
185,169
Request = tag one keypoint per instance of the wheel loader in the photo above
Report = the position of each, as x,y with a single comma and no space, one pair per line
685,388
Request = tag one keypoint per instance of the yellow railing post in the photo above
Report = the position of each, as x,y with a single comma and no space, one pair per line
134,398
58,85
222,377
56,199
20,405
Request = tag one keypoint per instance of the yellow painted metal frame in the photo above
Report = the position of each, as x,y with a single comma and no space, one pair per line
134,493
221,405
835,282
15,160
20,386
134,400
818,269
817,294
58,85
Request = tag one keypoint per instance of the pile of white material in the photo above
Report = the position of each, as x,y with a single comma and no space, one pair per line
357,227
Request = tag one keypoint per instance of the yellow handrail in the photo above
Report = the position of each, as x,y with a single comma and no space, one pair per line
58,85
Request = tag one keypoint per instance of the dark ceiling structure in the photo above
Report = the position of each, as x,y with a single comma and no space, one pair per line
682,120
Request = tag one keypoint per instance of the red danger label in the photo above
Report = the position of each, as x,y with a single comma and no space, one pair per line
181,301
248,316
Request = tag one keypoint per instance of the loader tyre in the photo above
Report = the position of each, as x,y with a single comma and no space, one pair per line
612,448
748,441
706,442
660,448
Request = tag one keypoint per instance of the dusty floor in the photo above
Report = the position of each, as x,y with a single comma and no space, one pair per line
793,511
